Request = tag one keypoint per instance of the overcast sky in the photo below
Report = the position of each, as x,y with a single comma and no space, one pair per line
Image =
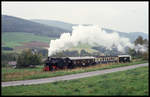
122,16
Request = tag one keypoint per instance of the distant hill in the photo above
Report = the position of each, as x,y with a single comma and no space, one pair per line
15,24
132,35
52,28
29,33
60,24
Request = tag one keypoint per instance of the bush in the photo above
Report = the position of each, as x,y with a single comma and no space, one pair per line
6,57
145,56
28,58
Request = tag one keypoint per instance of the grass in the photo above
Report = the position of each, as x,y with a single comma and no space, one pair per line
6,51
131,83
17,38
10,74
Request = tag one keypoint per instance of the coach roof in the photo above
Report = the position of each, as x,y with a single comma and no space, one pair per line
78,58
124,56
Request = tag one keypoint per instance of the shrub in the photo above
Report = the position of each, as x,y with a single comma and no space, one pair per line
28,58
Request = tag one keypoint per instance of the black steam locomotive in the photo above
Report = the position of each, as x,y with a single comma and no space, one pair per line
55,63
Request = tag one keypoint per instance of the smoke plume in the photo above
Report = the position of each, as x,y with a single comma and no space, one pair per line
91,35
141,48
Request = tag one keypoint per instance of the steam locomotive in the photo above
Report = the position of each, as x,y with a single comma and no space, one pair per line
55,63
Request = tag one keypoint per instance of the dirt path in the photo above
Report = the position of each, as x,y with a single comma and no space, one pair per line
70,77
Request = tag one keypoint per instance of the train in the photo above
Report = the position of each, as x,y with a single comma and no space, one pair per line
57,63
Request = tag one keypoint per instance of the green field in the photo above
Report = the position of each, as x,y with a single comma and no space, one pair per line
17,38
130,82
11,74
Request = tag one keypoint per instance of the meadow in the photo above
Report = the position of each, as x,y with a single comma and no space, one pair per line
17,38
131,83
10,74
21,40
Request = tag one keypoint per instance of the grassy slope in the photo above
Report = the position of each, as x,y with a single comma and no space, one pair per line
17,38
36,73
131,82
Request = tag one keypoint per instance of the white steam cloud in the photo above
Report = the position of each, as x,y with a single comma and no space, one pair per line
141,48
92,35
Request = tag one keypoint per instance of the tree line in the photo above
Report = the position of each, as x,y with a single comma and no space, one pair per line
138,53
27,58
